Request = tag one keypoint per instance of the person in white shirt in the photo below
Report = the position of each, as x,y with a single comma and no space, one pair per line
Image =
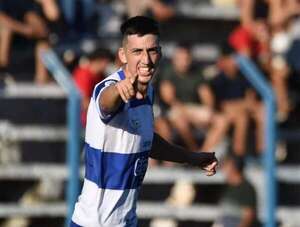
120,136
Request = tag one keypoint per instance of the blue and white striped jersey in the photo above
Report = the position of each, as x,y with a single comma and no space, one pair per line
116,149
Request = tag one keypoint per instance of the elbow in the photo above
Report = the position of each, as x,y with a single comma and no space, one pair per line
104,106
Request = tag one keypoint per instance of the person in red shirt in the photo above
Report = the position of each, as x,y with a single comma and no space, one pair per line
88,74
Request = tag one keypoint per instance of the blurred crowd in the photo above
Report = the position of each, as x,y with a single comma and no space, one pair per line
190,103
194,108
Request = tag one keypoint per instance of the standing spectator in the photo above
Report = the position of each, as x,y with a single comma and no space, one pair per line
187,96
90,73
19,18
238,204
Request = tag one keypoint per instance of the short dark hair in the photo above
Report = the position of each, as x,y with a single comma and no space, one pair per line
226,49
140,26
185,45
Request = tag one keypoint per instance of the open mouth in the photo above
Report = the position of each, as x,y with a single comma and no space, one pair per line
145,71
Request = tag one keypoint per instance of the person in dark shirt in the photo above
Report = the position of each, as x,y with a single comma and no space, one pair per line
238,203
236,99
186,94
18,18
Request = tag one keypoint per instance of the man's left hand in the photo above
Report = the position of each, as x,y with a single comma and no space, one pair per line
211,168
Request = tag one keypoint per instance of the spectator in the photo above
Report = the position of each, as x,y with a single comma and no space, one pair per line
19,18
187,97
237,101
88,74
238,203
252,40
281,16
258,17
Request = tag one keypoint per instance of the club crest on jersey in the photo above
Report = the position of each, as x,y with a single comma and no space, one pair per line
140,166
135,123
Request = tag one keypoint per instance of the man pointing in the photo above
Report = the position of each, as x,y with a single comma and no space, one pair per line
120,137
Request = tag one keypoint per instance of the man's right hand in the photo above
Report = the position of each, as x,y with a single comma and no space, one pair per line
127,89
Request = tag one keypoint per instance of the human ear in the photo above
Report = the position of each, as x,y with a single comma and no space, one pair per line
122,55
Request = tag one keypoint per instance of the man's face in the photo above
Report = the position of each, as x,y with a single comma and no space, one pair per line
182,60
141,54
228,65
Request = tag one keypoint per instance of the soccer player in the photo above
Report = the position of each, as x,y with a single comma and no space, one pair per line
120,137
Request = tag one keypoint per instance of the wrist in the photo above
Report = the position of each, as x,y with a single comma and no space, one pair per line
200,158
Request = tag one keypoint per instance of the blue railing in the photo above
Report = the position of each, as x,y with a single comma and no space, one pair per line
256,78
64,79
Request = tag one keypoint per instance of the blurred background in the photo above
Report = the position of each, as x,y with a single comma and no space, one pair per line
203,102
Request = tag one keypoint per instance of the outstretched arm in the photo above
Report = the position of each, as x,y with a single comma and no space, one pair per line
113,95
163,150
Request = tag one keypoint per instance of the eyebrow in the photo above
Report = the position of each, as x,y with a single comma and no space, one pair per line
149,49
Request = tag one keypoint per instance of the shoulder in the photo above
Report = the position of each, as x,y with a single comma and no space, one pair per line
111,79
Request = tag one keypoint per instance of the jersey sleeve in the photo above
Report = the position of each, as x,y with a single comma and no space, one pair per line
99,88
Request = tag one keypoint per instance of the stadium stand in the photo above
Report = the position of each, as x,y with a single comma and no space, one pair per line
33,135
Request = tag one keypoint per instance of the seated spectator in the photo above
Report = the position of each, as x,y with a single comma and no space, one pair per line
88,74
19,18
235,99
238,203
187,96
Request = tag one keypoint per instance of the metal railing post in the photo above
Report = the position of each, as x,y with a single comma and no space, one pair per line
255,77
64,79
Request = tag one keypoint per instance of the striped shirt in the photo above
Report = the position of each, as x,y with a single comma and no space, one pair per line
117,147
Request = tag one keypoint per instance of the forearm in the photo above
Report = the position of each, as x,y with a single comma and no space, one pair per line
168,93
12,24
110,99
50,10
163,150
206,95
